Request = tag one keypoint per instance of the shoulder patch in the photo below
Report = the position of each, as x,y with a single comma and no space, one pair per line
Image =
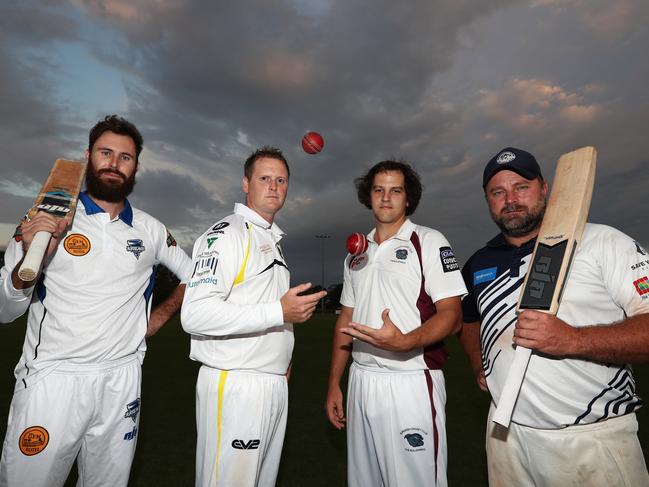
447,257
171,241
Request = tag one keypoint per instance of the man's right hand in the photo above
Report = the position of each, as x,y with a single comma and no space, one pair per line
43,222
334,407
298,309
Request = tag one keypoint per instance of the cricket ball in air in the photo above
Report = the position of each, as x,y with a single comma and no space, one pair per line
312,142
356,243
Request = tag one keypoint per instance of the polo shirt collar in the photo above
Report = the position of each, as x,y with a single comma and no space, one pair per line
499,241
404,233
253,217
92,208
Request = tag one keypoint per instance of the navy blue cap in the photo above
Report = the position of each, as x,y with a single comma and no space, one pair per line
512,159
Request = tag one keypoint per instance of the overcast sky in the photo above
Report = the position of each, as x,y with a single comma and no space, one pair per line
444,84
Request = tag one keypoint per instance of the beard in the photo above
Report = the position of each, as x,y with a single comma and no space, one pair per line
111,191
519,226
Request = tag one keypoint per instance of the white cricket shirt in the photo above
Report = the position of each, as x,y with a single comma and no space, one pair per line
407,274
92,301
232,303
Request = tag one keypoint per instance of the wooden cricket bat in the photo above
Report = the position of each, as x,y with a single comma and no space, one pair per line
559,236
58,197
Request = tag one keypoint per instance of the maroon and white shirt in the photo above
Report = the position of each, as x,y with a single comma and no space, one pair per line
407,274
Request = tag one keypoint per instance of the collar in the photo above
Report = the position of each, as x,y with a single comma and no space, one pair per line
404,233
253,217
92,208
499,241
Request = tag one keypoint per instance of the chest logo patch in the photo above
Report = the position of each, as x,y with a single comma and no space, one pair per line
135,246
33,440
401,254
76,244
484,275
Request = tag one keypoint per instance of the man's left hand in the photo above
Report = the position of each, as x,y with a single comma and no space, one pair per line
545,333
388,337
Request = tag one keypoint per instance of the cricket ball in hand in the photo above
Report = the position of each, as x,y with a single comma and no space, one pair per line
356,243
312,142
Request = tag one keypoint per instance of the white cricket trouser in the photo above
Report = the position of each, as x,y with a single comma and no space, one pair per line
396,432
74,410
604,454
241,421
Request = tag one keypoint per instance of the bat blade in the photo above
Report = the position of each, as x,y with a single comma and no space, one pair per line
556,243
58,197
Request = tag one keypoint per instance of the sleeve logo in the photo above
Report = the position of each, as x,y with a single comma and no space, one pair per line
449,262
642,285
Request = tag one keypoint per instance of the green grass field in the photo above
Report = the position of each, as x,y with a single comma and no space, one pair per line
314,452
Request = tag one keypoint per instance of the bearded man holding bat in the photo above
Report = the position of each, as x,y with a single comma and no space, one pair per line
574,421
77,393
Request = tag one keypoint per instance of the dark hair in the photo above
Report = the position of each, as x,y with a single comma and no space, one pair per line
411,182
119,126
265,151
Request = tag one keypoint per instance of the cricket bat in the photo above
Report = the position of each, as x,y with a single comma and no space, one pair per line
558,238
58,197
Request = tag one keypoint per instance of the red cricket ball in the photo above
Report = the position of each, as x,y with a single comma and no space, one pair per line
312,142
356,243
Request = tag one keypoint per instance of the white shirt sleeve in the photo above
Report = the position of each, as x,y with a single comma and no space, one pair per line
206,309
13,302
173,257
347,295
440,268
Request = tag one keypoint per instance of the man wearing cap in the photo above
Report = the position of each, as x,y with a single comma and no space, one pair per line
574,421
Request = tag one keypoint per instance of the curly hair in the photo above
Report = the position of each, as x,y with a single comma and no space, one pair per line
412,183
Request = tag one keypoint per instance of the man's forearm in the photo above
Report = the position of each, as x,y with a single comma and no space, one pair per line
624,342
445,322
470,340
341,349
165,310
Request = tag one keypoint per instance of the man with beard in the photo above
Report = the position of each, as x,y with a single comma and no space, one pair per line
77,393
574,421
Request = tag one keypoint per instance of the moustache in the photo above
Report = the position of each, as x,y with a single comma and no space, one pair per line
111,171
512,208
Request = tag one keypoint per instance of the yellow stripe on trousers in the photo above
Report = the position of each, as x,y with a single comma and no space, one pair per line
219,417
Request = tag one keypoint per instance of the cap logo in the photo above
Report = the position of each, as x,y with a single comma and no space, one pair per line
505,157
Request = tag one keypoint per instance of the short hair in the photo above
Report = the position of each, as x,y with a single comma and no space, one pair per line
411,181
265,151
119,126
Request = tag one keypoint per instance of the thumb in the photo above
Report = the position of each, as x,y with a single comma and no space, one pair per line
386,316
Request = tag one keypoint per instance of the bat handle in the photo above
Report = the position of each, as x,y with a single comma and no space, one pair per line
34,257
512,387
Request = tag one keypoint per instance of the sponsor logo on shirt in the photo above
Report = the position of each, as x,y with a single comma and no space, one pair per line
639,248
484,275
203,280
131,435
76,244
33,440
135,246
414,439
642,285
245,445
171,241
265,249
206,264
211,240
449,262
643,263
218,228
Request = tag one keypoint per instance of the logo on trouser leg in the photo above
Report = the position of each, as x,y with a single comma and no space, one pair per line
132,409
131,434
33,440
245,445
415,439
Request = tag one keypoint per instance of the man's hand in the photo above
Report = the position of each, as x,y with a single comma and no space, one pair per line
481,380
388,337
334,407
545,333
43,222
298,309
